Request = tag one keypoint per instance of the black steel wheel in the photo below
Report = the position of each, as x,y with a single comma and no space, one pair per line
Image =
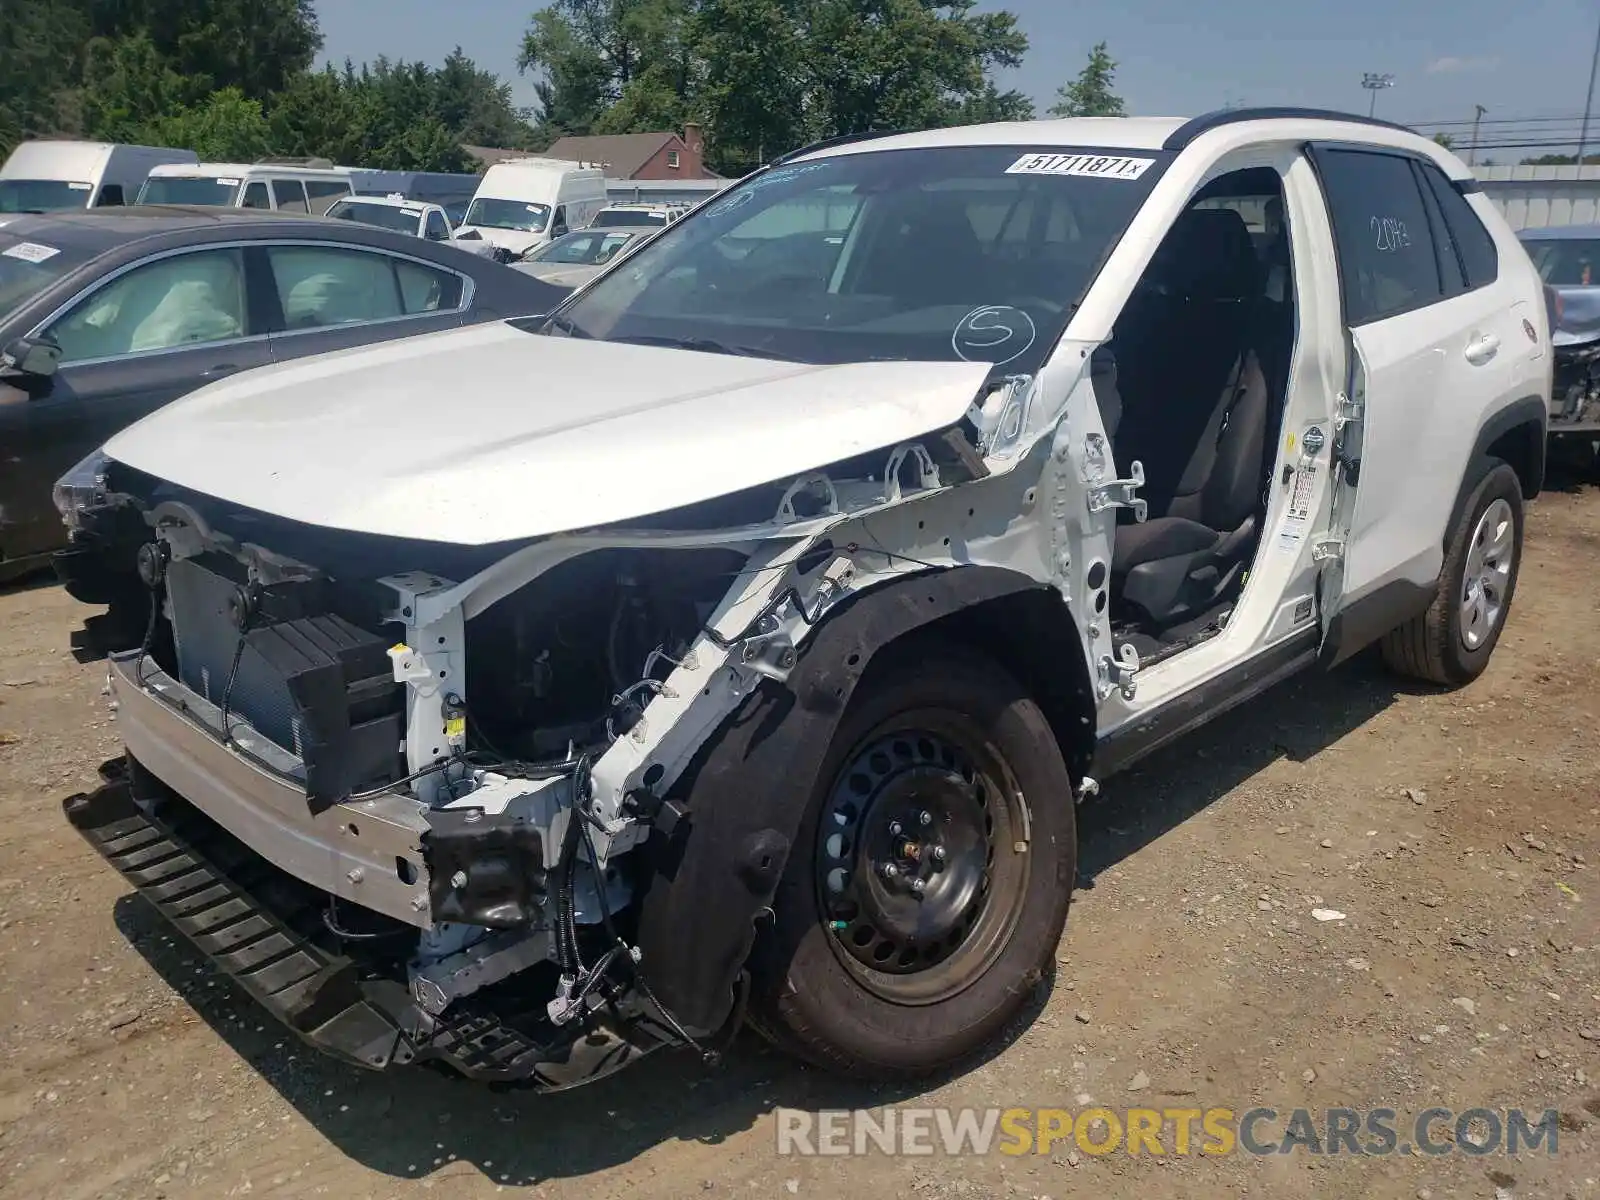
926,893
908,881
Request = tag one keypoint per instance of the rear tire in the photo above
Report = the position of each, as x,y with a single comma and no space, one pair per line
1451,643
945,770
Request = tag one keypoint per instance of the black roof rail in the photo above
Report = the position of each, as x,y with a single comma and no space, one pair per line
1191,129
844,139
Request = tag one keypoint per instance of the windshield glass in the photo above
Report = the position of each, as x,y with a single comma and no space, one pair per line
508,214
28,267
588,247
630,217
188,189
1566,262
978,253
384,216
42,195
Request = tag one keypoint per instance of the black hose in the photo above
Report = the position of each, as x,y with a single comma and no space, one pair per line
149,635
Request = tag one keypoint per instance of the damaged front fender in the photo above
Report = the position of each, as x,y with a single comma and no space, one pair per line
744,798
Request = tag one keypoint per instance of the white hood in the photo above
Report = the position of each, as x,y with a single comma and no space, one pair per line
490,434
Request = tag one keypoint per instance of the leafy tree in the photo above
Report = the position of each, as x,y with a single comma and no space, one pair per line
1445,140
227,126
41,57
1090,94
254,45
128,84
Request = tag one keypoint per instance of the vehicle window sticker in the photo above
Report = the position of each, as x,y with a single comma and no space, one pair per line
32,252
1097,166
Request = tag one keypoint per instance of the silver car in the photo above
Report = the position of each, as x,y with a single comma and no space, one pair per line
575,258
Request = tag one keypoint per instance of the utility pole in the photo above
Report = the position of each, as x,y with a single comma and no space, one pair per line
1375,83
1588,104
1472,150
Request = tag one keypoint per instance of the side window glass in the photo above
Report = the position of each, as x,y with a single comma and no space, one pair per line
185,300
425,290
325,286
255,196
1474,243
323,193
322,286
1387,263
290,195
558,224
110,196
1452,275
436,227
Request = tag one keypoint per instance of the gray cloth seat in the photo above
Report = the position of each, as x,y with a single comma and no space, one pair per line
1196,411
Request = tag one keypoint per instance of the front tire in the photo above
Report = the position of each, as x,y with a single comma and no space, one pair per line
929,882
1451,643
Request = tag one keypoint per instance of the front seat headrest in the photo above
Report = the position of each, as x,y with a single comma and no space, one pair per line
1208,255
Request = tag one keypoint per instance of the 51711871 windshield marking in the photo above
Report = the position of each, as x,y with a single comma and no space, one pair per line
1096,166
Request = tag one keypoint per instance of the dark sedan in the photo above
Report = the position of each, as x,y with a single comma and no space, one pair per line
107,315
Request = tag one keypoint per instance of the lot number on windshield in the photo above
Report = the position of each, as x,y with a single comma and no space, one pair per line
1100,166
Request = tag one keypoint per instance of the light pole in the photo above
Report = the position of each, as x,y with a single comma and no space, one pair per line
1472,150
1375,83
1588,104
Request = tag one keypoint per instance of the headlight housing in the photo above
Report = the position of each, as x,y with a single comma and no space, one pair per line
82,487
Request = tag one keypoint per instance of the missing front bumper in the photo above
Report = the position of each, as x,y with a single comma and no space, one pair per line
261,927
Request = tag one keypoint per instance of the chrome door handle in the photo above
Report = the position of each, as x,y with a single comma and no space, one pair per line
1481,349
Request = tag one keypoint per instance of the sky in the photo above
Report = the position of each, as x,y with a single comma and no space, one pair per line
1525,58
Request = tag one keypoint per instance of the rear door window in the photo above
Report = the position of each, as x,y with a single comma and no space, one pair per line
1387,261
290,195
327,286
322,193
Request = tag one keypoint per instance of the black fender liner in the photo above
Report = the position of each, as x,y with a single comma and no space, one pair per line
746,794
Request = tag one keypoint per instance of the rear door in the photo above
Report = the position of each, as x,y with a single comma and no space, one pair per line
130,344
1419,340
331,296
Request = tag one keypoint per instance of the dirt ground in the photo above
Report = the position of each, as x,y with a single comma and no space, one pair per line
1457,832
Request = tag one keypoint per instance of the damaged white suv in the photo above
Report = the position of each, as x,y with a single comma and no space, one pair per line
738,639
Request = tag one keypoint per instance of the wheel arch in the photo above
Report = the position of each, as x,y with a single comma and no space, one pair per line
1517,435
743,798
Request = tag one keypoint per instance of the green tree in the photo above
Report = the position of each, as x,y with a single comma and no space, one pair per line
41,61
1445,140
227,126
256,46
1090,94
128,84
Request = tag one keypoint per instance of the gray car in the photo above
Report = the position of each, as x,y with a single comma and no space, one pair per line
575,258
106,315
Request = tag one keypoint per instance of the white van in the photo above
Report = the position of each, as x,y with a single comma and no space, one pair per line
279,186
524,203
50,174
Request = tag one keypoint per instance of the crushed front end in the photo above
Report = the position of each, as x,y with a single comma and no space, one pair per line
413,816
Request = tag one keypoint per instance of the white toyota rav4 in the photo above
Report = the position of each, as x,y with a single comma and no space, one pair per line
738,639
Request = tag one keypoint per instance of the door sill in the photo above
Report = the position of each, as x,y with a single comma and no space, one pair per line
1129,743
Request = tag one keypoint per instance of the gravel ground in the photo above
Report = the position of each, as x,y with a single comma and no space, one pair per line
1457,832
